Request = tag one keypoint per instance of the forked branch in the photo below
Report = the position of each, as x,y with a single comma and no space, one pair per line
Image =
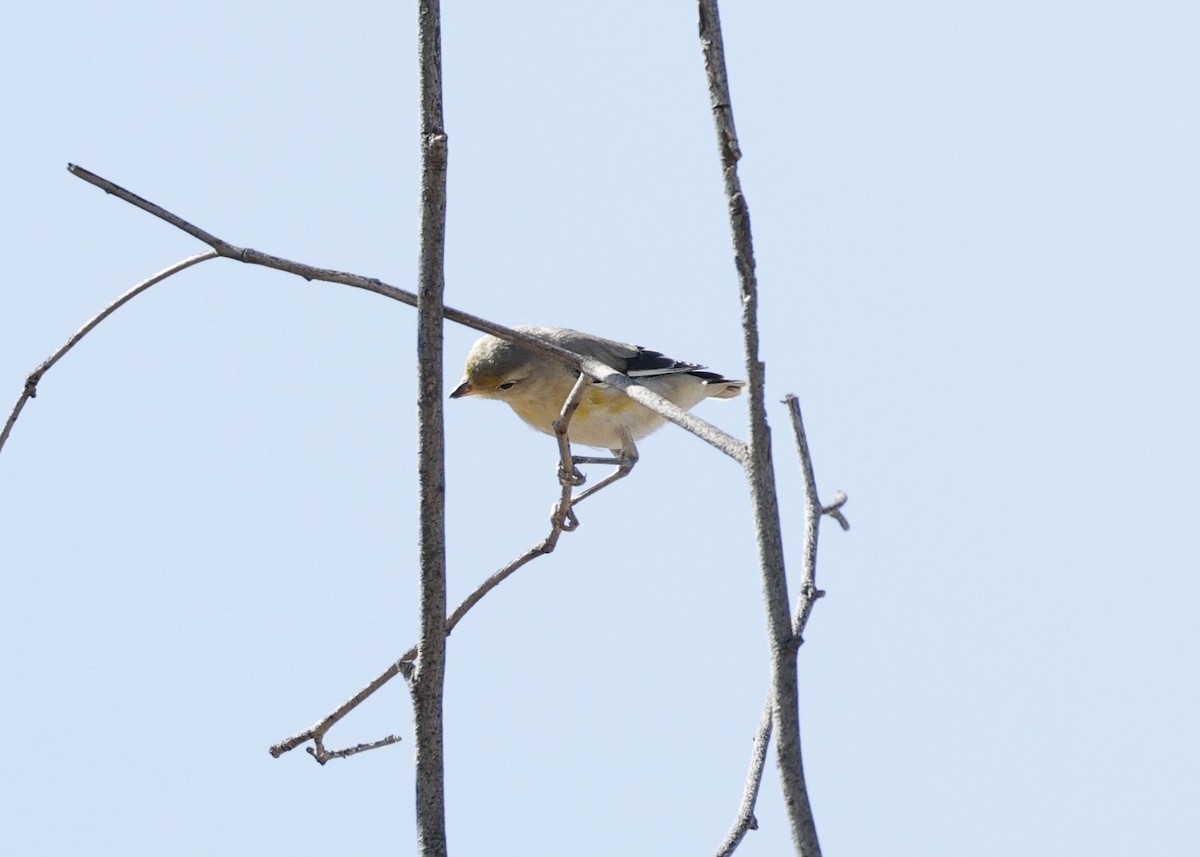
745,820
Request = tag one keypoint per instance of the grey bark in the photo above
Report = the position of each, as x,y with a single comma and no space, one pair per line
428,677
760,470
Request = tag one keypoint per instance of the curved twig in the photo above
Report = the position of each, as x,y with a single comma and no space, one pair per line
35,377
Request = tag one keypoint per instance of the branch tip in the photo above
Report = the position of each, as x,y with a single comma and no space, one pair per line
839,500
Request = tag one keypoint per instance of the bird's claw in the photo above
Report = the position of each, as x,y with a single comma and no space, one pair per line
564,519
574,479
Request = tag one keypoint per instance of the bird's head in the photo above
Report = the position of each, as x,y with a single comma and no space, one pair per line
495,368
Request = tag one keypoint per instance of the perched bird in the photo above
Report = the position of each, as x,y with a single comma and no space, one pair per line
537,386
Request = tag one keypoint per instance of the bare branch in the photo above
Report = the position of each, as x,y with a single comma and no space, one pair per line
31,382
745,820
220,248
568,474
813,511
429,676
562,519
809,594
569,477
707,432
404,666
245,254
834,509
322,755
760,471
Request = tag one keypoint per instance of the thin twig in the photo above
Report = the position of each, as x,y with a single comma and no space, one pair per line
322,755
404,665
568,473
834,509
569,477
745,820
813,512
707,432
562,520
316,732
31,382
760,472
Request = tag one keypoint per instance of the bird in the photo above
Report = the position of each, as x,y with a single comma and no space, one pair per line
536,386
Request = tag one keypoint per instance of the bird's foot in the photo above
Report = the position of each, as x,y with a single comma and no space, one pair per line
574,479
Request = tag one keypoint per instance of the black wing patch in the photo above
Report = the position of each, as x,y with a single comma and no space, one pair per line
646,363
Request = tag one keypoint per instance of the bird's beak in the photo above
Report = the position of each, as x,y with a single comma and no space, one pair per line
463,389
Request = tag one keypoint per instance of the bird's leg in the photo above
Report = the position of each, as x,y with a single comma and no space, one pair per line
624,458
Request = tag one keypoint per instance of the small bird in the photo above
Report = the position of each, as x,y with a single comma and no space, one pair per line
536,387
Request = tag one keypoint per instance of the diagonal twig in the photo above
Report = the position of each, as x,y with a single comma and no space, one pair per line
35,377
562,520
746,820
403,666
707,432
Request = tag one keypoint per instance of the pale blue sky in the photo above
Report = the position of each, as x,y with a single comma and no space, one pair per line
977,230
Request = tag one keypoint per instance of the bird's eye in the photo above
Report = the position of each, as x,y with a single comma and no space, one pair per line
507,385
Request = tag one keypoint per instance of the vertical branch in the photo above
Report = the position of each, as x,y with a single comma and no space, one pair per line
429,675
812,521
759,468
745,820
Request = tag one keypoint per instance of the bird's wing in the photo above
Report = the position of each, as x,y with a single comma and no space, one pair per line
647,363
631,360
